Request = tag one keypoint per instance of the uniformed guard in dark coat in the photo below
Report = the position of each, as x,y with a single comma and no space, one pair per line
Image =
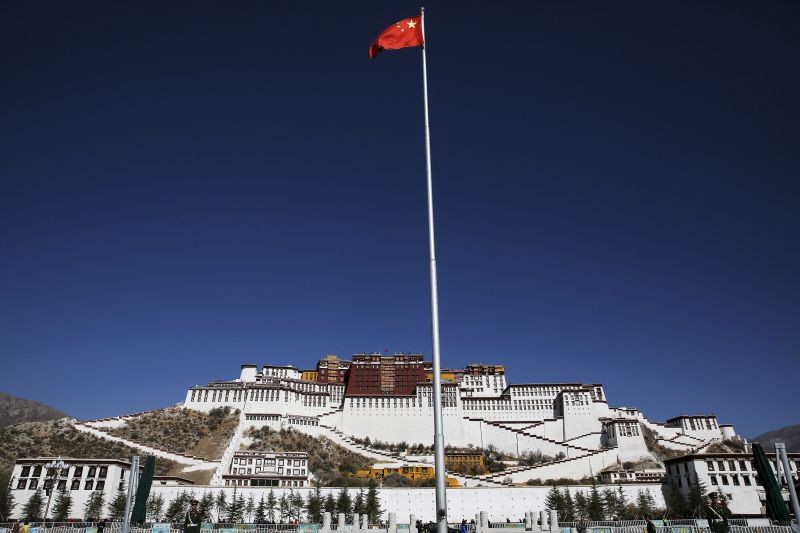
193,518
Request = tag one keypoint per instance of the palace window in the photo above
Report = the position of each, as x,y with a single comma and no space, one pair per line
89,484
746,480
26,471
713,480
33,484
725,480
37,471
743,466
76,484
21,483
710,465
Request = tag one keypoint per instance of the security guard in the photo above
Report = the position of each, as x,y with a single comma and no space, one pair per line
194,516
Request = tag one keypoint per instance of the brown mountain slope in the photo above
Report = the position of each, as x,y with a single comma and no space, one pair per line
15,410
789,435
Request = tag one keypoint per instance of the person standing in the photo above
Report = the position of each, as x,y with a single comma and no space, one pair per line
193,518
651,527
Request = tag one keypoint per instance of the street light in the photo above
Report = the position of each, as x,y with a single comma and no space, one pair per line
53,471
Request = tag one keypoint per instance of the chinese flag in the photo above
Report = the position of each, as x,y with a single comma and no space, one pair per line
407,32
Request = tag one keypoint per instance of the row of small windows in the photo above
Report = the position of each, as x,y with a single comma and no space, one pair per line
265,483
92,471
75,484
267,461
259,470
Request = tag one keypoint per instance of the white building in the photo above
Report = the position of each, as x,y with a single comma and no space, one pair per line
569,420
79,477
253,468
732,475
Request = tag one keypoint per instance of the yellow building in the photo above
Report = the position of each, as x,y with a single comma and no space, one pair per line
465,462
412,472
309,375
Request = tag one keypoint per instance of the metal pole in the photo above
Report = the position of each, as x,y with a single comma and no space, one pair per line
781,449
133,481
438,436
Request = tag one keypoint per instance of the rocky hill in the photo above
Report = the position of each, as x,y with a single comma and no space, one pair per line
59,438
789,435
15,410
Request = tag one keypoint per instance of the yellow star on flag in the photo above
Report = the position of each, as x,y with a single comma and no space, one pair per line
412,24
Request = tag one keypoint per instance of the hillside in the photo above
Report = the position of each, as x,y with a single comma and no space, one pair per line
330,464
59,438
789,435
183,430
15,410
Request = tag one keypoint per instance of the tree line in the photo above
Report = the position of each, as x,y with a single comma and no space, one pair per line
290,507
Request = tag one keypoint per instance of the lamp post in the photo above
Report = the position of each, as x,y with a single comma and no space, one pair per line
53,471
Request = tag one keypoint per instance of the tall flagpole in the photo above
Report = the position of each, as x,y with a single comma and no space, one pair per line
438,436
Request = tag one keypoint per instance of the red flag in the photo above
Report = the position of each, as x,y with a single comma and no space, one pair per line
407,32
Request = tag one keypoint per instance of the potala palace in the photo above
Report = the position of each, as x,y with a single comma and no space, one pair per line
389,398
571,427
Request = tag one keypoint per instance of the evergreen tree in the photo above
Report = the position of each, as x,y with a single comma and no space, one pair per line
62,506
261,511
250,507
283,508
116,507
621,505
555,501
6,499
373,504
595,506
651,502
314,505
207,503
359,505
176,510
329,505
569,507
643,503
676,507
33,509
297,503
271,503
221,505
609,498
581,506
93,509
236,508
154,507
344,504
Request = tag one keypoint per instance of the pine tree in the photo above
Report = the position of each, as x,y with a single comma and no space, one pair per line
93,509
221,505
609,498
236,508
595,509
283,507
359,505
643,503
250,507
344,504
6,499
330,504
62,506
207,503
33,509
676,507
154,507
621,508
271,503
569,507
581,506
555,501
297,503
261,510
116,507
176,511
373,504
314,505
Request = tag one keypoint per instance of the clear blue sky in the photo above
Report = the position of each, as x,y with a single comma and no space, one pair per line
187,186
